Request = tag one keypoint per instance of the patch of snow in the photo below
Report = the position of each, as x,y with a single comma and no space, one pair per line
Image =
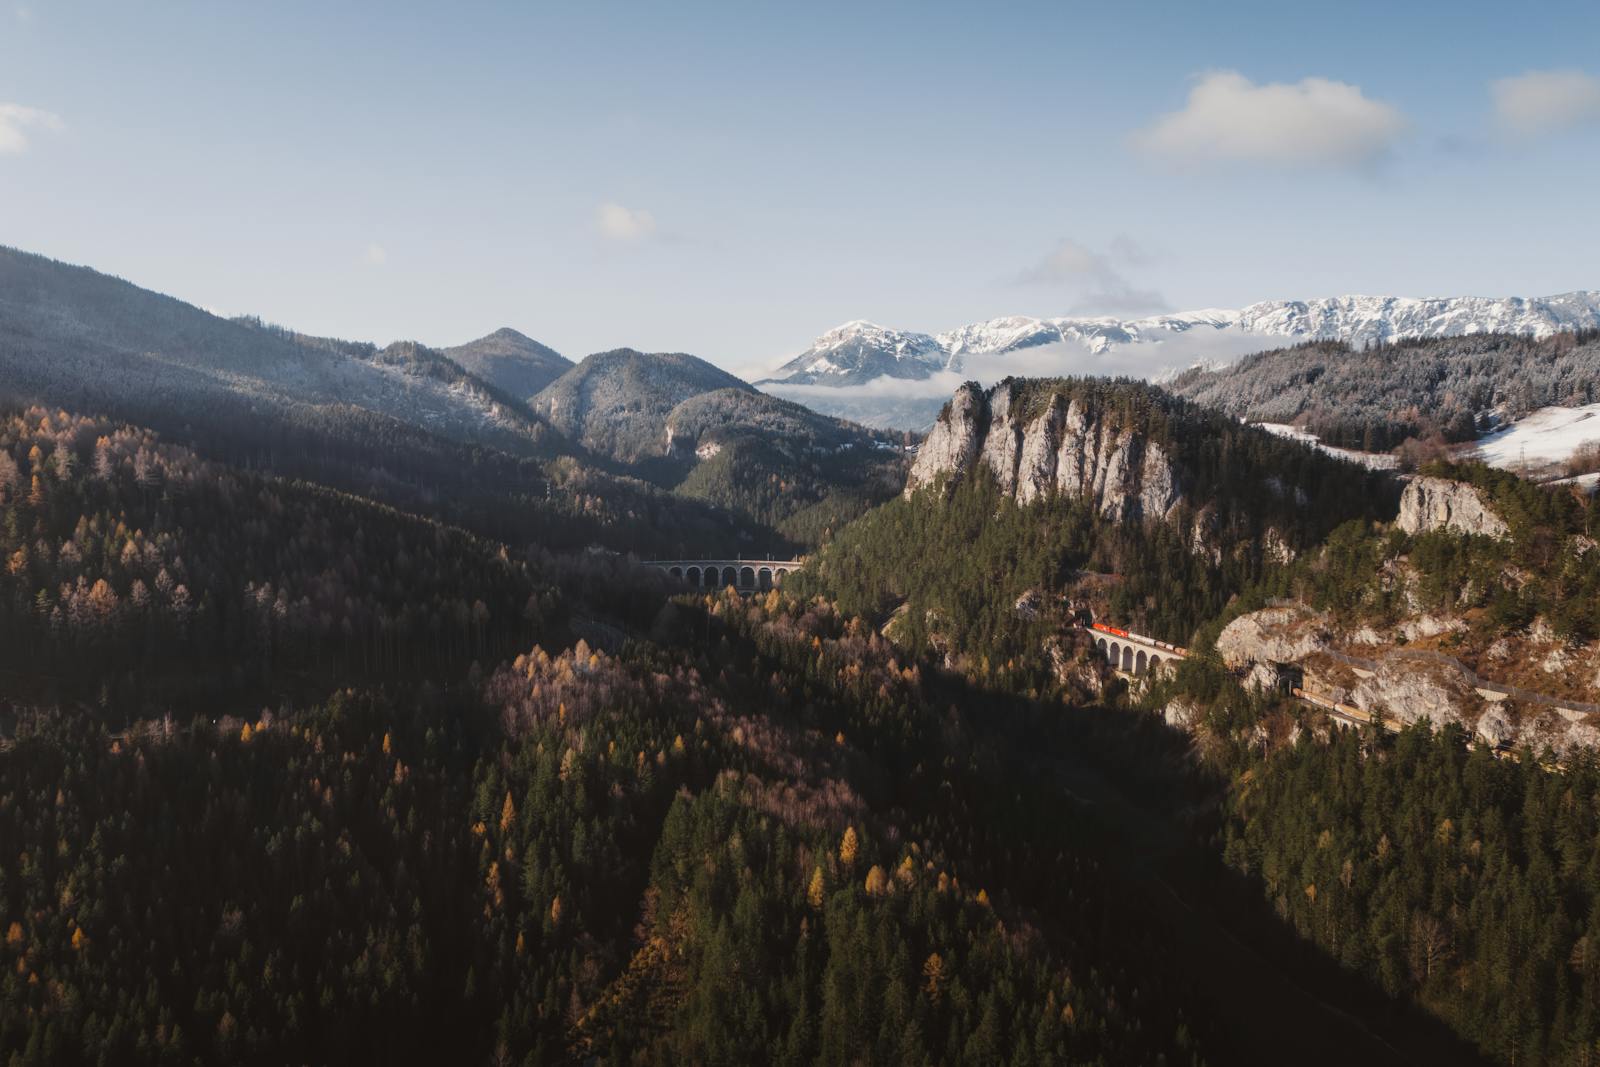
1549,435
1378,461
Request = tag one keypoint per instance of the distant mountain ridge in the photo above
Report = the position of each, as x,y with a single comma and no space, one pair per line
859,351
71,336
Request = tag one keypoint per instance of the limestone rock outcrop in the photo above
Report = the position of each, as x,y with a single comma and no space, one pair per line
1272,636
953,444
1407,691
1293,644
1441,504
1067,448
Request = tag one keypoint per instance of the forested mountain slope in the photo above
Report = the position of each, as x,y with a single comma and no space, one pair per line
712,417
136,573
1374,398
617,402
804,474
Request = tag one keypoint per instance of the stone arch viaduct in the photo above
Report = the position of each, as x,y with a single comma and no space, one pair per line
745,575
1133,653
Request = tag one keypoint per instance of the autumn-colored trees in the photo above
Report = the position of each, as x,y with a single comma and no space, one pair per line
590,853
139,569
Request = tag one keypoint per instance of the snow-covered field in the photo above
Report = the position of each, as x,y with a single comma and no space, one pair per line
1375,460
1546,438
1549,435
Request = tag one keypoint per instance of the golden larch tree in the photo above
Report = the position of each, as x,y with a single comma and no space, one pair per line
848,847
933,976
814,892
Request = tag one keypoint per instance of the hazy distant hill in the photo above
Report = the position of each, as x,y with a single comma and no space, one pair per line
616,403
511,362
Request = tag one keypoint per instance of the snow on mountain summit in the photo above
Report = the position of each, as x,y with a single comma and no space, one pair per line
857,352
1364,320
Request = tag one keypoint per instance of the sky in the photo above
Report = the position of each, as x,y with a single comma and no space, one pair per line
733,179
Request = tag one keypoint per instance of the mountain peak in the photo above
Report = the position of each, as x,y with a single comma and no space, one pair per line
858,351
511,361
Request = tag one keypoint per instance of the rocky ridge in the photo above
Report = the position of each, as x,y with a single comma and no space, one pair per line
1441,504
1281,645
1069,447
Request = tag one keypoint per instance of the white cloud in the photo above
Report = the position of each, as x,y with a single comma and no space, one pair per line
16,119
1314,122
1095,278
1545,101
911,405
620,223
376,255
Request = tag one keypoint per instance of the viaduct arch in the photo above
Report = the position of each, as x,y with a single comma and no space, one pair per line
744,575
1133,653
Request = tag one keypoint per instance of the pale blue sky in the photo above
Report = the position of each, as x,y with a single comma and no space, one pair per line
733,179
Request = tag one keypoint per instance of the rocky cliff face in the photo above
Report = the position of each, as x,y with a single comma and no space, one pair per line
1440,504
1274,645
1068,448
1272,636
955,439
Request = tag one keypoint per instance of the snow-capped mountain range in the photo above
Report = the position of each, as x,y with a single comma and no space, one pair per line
859,352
